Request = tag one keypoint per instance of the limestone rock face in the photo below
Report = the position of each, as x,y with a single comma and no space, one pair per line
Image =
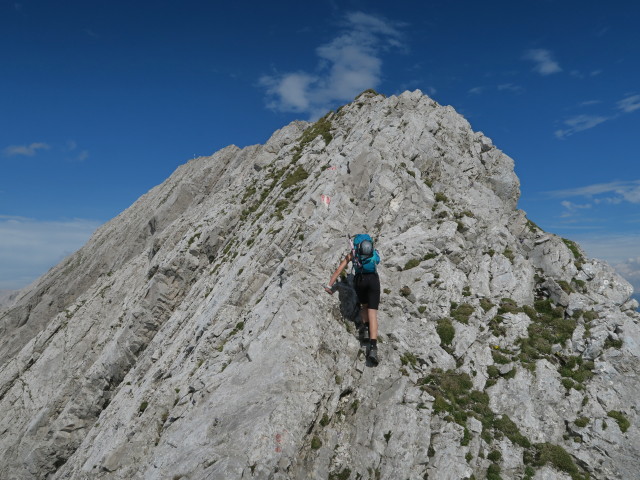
192,338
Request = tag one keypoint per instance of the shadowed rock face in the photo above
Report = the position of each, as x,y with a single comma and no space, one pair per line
191,337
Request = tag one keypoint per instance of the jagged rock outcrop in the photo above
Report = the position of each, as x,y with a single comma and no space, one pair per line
191,337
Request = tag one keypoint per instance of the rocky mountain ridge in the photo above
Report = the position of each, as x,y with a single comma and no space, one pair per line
191,338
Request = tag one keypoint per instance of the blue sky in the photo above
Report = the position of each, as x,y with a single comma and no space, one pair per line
101,101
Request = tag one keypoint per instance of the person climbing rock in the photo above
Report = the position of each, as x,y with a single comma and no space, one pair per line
364,258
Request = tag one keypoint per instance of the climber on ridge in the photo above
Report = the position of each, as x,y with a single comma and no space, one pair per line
367,285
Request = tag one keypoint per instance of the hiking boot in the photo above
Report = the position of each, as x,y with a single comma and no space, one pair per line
373,355
363,333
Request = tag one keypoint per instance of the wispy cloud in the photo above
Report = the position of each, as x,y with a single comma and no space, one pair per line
615,192
76,156
503,87
544,64
589,103
571,208
28,247
629,104
579,123
630,269
621,251
348,64
477,90
25,150
510,87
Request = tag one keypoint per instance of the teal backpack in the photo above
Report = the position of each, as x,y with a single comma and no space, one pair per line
365,257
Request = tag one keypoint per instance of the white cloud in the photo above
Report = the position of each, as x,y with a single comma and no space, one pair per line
630,269
28,247
71,147
580,123
543,60
25,150
348,64
476,90
510,87
82,156
629,104
589,103
572,208
622,252
628,191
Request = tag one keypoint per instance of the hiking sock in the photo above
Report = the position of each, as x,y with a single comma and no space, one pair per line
374,343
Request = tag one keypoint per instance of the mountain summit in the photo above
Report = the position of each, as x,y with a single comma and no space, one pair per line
191,338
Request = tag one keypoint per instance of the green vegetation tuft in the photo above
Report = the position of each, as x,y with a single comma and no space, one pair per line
368,91
493,472
249,192
529,472
507,305
143,406
405,291
462,313
581,422
510,430
548,327
556,456
466,437
316,443
343,475
509,254
486,304
409,358
533,227
322,127
445,331
609,343
619,417
414,262
574,249
566,287
441,197
325,420
193,238
494,455
298,175
496,326
500,358
452,393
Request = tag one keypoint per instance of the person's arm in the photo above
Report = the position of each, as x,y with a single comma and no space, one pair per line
337,273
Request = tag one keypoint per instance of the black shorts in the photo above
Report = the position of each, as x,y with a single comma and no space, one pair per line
368,289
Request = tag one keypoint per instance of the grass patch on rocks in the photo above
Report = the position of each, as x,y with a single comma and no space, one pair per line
548,327
461,313
298,175
619,417
445,331
555,455
454,396
414,262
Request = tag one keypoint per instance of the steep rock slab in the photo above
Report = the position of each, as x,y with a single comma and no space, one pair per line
203,346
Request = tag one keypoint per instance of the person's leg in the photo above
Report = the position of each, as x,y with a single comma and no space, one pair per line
373,323
364,315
